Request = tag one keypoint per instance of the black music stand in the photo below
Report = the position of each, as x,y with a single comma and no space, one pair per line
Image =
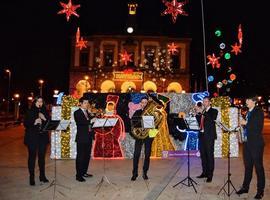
104,123
56,125
229,182
184,127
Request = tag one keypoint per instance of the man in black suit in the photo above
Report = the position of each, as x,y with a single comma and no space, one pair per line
207,138
138,146
83,139
253,147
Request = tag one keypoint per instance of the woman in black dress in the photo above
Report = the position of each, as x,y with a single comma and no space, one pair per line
35,139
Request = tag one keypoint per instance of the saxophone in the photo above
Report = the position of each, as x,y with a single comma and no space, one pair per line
242,114
152,109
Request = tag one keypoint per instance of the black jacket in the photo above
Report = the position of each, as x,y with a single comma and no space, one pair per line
209,123
254,127
84,135
33,134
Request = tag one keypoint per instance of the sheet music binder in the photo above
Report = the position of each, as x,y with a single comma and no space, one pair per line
147,122
56,125
105,122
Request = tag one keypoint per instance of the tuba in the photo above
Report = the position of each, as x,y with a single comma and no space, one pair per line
154,109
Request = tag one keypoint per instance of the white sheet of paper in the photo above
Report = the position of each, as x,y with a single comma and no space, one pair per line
192,123
148,121
99,122
63,125
110,122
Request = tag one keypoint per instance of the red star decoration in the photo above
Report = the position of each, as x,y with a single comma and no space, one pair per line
236,49
69,9
172,48
213,60
174,8
125,57
81,44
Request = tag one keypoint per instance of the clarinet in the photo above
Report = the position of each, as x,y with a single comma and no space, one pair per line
39,125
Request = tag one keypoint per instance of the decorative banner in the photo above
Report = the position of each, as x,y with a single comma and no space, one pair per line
121,76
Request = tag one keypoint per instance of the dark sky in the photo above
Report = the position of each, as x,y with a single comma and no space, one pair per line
35,41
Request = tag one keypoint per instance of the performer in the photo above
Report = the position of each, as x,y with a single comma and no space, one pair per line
253,147
36,139
84,138
207,137
138,146
110,135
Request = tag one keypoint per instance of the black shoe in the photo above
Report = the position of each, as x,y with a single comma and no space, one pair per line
242,191
259,195
133,178
145,177
87,175
209,180
201,176
32,181
80,179
43,179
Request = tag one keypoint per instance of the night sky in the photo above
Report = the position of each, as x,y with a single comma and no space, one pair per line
35,42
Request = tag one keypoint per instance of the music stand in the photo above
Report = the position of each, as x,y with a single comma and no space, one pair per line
56,125
184,127
229,182
102,123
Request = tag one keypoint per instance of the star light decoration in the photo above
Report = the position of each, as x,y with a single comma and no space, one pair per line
80,43
172,48
236,49
125,57
69,9
213,60
174,8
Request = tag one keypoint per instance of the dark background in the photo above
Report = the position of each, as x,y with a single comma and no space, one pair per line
35,42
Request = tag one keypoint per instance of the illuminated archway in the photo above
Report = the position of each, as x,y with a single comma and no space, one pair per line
128,85
107,86
150,86
174,87
82,86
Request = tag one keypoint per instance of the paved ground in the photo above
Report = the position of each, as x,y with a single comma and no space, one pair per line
164,174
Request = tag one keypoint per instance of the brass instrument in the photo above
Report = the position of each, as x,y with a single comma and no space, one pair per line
152,109
242,114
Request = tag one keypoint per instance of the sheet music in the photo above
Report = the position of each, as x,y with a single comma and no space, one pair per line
110,122
192,123
63,125
148,121
99,122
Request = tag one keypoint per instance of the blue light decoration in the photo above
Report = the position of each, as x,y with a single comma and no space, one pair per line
210,78
191,140
198,97
59,98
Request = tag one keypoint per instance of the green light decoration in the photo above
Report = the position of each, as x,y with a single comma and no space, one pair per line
227,56
218,33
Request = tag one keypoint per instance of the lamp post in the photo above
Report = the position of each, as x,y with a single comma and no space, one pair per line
41,82
8,95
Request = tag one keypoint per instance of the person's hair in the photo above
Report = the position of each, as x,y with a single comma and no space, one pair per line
35,101
253,98
82,99
199,104
207,97
144,97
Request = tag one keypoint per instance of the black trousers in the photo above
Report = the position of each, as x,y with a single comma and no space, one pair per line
253,156
83,158
137,152
206,147
33,151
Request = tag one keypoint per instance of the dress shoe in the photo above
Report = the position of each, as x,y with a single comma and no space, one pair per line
242,191
259,195
43,179
209,180
133,178
80,179
145,177
201,176
32,181
87,175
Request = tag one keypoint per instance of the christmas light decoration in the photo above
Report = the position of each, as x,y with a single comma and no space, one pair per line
125,57
69,9
236,49
174,8
172,48
213,60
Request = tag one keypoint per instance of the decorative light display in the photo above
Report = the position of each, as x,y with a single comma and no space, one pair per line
174,8
227,56
81,43
222,46
240,35
125,57
236,49
210,78
213,60
218,33
69,9
232,77
172,48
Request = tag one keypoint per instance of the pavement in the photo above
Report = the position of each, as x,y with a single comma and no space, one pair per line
116,185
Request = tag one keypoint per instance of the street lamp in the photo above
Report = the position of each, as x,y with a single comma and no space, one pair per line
8,96
41,86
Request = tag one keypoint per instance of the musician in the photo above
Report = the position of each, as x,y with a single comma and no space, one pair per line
253,147
36,139
138,146
84,138
207,136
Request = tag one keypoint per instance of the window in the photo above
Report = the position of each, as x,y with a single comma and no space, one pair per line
175,61
108,57
150,56
84,57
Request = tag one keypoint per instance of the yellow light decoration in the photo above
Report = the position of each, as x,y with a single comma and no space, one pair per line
68,102
224,104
